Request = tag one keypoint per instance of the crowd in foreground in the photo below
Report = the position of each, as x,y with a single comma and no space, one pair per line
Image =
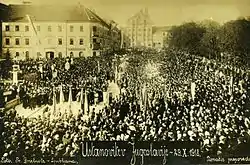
158,108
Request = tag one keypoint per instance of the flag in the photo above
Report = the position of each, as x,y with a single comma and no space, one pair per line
86,105
98,65
81,99
70,98
54,101
15,77
145,97
105,98
67,66
116,73
61,95
140,99
231,86
193,90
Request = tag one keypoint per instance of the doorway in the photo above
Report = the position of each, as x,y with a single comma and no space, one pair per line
50,55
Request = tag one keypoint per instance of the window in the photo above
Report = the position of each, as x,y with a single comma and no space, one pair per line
60,54
59,28
94,28
17,54
27,55
27,28
7,41
27,41
7,28
71,28
71,41
59,41
71,54
94,40
81,28
94,54
49,29
17,28
80,54
17,41
38,28
81,41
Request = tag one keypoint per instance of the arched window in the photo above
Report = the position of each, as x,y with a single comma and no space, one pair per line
71,54
80,54
27,55
60,54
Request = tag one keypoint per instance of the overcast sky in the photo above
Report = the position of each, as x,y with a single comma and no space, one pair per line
162,12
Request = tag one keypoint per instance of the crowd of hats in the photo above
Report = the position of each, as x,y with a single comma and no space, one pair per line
217,116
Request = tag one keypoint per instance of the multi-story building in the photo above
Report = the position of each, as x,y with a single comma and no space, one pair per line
56,31
3,17
159,36
139,29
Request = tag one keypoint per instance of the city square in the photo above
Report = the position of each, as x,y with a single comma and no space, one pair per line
68,75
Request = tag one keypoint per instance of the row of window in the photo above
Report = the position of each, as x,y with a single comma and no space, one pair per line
17,41
38,28
27,41
38,54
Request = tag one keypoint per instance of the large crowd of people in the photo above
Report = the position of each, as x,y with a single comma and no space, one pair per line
190,99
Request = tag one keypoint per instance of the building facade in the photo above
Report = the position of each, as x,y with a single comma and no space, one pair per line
159,36
139,29
50,32
4,9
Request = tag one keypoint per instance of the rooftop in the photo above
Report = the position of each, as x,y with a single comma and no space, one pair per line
73,13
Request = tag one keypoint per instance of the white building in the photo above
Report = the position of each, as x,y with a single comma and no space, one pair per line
56,31
139,29
159,36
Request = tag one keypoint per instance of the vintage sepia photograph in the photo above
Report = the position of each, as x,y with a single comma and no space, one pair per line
125,82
